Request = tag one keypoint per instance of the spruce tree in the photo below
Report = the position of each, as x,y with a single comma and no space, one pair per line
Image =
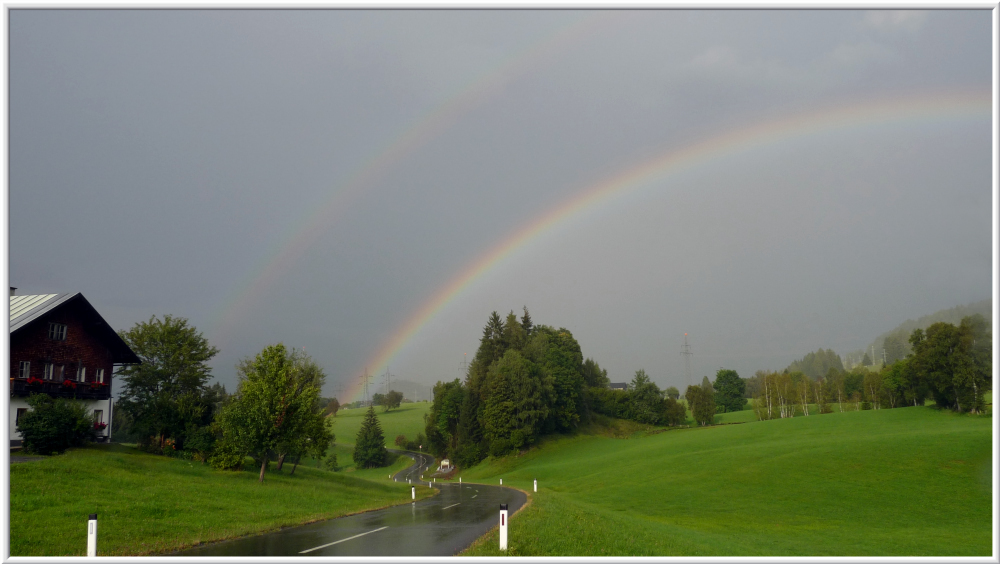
369,448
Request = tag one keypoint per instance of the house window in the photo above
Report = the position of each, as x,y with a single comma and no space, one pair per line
48,371
17,418
57,331
81,374
60,369
100,375
25,369
98,416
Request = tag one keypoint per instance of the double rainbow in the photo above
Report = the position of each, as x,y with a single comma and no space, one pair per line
915,109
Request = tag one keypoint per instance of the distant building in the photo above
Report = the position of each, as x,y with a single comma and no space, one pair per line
61,346
618,386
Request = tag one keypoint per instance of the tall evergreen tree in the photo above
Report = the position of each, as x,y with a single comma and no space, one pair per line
369,447
526,322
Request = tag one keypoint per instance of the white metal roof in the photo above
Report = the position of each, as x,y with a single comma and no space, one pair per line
25,309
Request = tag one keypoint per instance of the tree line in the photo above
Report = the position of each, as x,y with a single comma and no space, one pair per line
527,381
950,364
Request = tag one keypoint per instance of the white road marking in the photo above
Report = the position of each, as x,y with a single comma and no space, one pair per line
474,496
343,540
450,506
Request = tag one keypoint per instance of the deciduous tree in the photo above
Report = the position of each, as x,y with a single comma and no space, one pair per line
167,395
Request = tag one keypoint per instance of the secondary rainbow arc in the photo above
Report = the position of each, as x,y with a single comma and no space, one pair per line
913,108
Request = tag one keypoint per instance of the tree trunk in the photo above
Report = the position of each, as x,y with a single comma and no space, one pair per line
296,465
263,465
281,461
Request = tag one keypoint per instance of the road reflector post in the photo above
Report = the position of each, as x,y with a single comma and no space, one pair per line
501,481
92,535
413,492
503,526
536,485
459,479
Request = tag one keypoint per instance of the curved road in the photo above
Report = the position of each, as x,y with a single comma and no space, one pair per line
439,526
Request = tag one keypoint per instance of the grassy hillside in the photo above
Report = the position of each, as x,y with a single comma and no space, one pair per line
906,482
150,504
407,420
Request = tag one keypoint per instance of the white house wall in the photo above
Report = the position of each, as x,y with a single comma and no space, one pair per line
92,405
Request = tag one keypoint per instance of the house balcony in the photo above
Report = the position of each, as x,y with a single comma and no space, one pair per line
20,388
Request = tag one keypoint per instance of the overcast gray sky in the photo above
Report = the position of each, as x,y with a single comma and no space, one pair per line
323,177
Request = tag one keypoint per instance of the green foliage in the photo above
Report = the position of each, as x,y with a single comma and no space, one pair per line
674,412
729,388
369,447
672,393
443,419
562,365
53,425
331,462
955,363
593,375
514,406
167,397
388,401
702,404
274,410
645,400
817,364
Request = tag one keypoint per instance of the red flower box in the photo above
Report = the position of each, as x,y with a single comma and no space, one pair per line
100,426
35,381
69,384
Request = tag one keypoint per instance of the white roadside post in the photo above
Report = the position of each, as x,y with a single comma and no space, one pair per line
536,485
501,481
92,535
413,492
459,479
503,526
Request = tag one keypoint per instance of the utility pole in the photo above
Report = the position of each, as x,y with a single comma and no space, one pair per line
365,379
686,351
465,364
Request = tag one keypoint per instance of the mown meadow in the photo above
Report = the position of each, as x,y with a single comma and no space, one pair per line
148,504
897,482
407,419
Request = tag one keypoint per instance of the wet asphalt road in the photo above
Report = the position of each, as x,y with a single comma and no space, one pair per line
439,526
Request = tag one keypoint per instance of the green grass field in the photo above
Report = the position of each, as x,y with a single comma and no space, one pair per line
407,420
150,504
900,482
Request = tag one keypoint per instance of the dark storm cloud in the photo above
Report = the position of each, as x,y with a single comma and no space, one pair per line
160,159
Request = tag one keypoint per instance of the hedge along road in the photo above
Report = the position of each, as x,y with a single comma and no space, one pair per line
442,525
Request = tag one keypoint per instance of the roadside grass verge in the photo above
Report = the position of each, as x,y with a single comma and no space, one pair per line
148,504
894,482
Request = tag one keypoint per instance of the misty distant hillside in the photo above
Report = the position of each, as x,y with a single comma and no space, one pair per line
411,390
903,330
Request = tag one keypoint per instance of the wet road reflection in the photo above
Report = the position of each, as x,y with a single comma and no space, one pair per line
440,526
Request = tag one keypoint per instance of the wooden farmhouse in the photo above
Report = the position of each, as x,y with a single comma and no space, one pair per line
61,346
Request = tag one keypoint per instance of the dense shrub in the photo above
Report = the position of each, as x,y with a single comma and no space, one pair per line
53,425
330,463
